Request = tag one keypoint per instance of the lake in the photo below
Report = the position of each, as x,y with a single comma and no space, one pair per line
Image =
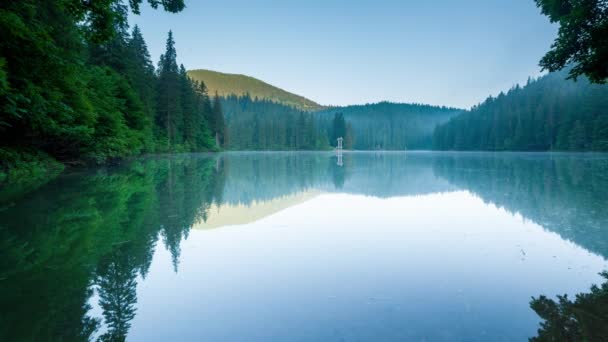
307,246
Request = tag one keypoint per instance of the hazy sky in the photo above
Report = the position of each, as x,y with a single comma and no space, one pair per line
340,52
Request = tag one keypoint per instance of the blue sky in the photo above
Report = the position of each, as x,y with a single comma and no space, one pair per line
340,52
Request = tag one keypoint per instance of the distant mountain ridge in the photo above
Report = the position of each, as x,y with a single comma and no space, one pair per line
228,84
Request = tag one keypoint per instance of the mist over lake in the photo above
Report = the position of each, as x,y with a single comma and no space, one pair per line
304,246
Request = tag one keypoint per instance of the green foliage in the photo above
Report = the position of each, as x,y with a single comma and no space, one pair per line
547,114
241,85
74,84
584,319
101,17
582,39
184,117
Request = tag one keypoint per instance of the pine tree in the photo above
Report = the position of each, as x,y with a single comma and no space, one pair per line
141,72
218,125
189,110
169,106
204,110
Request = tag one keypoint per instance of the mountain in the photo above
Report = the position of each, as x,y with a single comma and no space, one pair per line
228,84
547,114
390,126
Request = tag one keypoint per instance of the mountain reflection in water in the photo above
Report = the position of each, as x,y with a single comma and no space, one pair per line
75,251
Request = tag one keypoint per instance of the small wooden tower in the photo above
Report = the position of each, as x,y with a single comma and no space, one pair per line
340,143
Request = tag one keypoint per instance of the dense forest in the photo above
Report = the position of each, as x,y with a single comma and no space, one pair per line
547,114
263,124
389,126
77,85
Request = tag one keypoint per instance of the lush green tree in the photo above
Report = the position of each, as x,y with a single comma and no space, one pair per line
582,39
142,76
101,17
169,100
77,86
584,319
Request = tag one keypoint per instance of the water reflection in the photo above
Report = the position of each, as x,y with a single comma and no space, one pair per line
88,239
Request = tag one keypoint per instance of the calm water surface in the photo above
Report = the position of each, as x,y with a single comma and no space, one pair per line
304,247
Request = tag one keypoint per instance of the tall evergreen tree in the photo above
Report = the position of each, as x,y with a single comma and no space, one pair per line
169,101
204,110
218,125
141,72
189,110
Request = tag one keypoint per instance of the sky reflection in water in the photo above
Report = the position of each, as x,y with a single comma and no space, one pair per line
287,246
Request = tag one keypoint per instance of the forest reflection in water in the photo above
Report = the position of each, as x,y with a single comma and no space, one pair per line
74,251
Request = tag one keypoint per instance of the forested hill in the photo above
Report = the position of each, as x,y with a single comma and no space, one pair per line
391,126
78,90
258,124
229,84
550,113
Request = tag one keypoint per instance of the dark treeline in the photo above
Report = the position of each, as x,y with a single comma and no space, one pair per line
388,126
78,85
550,113
261,124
